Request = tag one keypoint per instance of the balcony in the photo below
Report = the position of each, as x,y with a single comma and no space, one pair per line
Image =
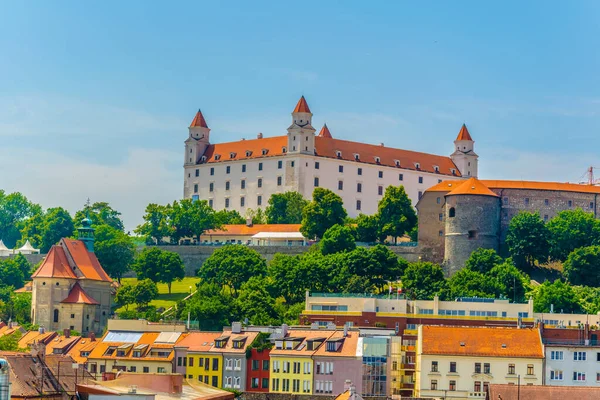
407,385
408,366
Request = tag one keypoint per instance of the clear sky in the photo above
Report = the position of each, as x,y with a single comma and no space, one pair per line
96,97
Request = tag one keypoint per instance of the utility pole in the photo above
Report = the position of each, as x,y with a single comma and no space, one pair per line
518,387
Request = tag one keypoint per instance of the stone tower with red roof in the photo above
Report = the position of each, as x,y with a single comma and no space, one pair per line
71,290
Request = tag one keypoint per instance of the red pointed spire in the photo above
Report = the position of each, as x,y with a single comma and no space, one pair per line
302,106
199,120
325,132
464,134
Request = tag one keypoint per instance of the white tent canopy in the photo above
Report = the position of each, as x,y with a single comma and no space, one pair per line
279,235
4,251
27,248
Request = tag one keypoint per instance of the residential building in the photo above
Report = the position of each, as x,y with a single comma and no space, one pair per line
256,234
461,362
451,224
146,352
196,361
70,289
258,370
232,345
292,364
242,175
32,337
82,350
516,392
62,344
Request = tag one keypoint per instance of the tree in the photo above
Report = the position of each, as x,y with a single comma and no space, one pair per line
582,266
18,262
423,280
469,283
11,274
527,239
285,208
514,282
157,223
225,217
395,213
256,216
101,213
144,292
231,266
256,303
588,298
159,266
115,250
209,306
558,294
191,218
58,224
385,266
571,229
483,260
10,342
125,296
367,227
15,209
325,210
337,239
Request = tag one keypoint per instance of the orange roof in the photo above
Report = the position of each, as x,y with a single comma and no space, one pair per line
246,149
347,349
84,260
62,343
464,134
447,186
146,338
250,336
472,186
55,265
245,230
302,106
84,345
325,132
199,341
302,349
79,296
199,120
35,336
482,342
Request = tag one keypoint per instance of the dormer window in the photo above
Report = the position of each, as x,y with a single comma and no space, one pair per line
248,153
265,151
436,169
397,162
453,171
284,149
217,157
338,154
417,165
231,155
239,343
377,160
356,157
203,158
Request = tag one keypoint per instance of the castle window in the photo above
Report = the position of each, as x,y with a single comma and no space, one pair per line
72,315
243,184
316,165
217,157
243,167
242,201
340,168
359,187
55,315
380,190
227,185
260,166
57,283
316,183
472,234
279,164
340,185
441,233
195,191
203,158
210,203
359,172
545,217
231,155
381,174
259,182
284,150
228,169
570,203
436,169
197,172
397,162
420,179
417,165
358,205
338,154
259,200
526,201
248,153
546,202
452,212
505,201
438,200
453,171
212,171
356,157
43,283
264,152
377,160
441,217
227,203
279,180
592,204
211,187
401,177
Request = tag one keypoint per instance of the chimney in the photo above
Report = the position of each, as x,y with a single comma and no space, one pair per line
284,330
347,385
236,327
249,221
41,330
92,337
381,144
345,329
552,308
67,333
259,136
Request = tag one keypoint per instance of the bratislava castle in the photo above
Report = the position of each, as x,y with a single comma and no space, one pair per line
243,175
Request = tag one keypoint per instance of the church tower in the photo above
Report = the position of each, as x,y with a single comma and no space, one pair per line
198,139
301,134
464,154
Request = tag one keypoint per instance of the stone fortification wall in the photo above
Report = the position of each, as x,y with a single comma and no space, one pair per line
33,259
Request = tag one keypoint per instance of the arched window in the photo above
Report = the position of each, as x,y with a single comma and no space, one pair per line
452,212
56,315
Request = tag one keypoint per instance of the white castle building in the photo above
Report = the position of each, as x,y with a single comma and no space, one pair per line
243,175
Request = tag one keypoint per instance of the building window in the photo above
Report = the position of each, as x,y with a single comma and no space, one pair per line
243,167
381,174
558,355
526,201
441,216
452,366
380,190
55,315
545,217
434,384
197,172
195,188
227,202
340,168
438,200
477,369
359,187
440,233
279,180
292,164
227,184
243,184
452,386
477,387
486,368
279,164
259,182
420,195
591,205
316,183
359,171
530,369
259,200
570,203
452,212
340,185
212,171
145,369
211,187
401,177
578,376
420,179
579,356
242,201
358,205
434,366
316,165
556,375
265,383
505,201
210,203
228,169
260,166
511,369
265,365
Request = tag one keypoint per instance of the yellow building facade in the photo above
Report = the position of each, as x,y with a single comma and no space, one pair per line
195,360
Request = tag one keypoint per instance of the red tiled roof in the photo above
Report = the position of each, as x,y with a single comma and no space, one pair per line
79,296
199,120
447,186
247,149
86,261
199,341
55,265
538,392
325,132
347,349
472,186
302,106
464,134
482,342
243,229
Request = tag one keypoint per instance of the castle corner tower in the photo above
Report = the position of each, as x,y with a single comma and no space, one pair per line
301,134
464,155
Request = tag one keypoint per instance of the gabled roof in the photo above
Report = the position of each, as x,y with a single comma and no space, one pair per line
55,265
481,341
85,344
464,134
85,260
447,186
325,132
302,106
347,348
254,147
472,186
78,296
303,336
62,343
199,120
199,341
248,336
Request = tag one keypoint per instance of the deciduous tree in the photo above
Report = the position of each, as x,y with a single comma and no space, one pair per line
115,250
157,224
582,266
558,294
367,227
338,238
285,208
101,213
125,296
423,280
159,266
325,210
515,283
395,213
256,303
144,292
469,283
483,260
527,239
572,229
15,209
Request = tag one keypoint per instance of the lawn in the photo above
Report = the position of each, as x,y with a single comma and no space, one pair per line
179,290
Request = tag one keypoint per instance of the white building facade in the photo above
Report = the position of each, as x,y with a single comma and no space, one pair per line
243,175
572,365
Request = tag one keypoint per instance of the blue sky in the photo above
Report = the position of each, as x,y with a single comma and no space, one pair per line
95,98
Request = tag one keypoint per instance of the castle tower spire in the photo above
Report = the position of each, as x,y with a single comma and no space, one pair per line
301,134
325,132
198,139
464,156
86,233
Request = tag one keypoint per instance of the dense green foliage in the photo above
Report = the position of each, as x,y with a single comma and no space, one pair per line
101,213
570,230
338,238
527,239
395,213
15,209
483,260
582,266
423,280
159,266
324,211
115,250
285,208
559,294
